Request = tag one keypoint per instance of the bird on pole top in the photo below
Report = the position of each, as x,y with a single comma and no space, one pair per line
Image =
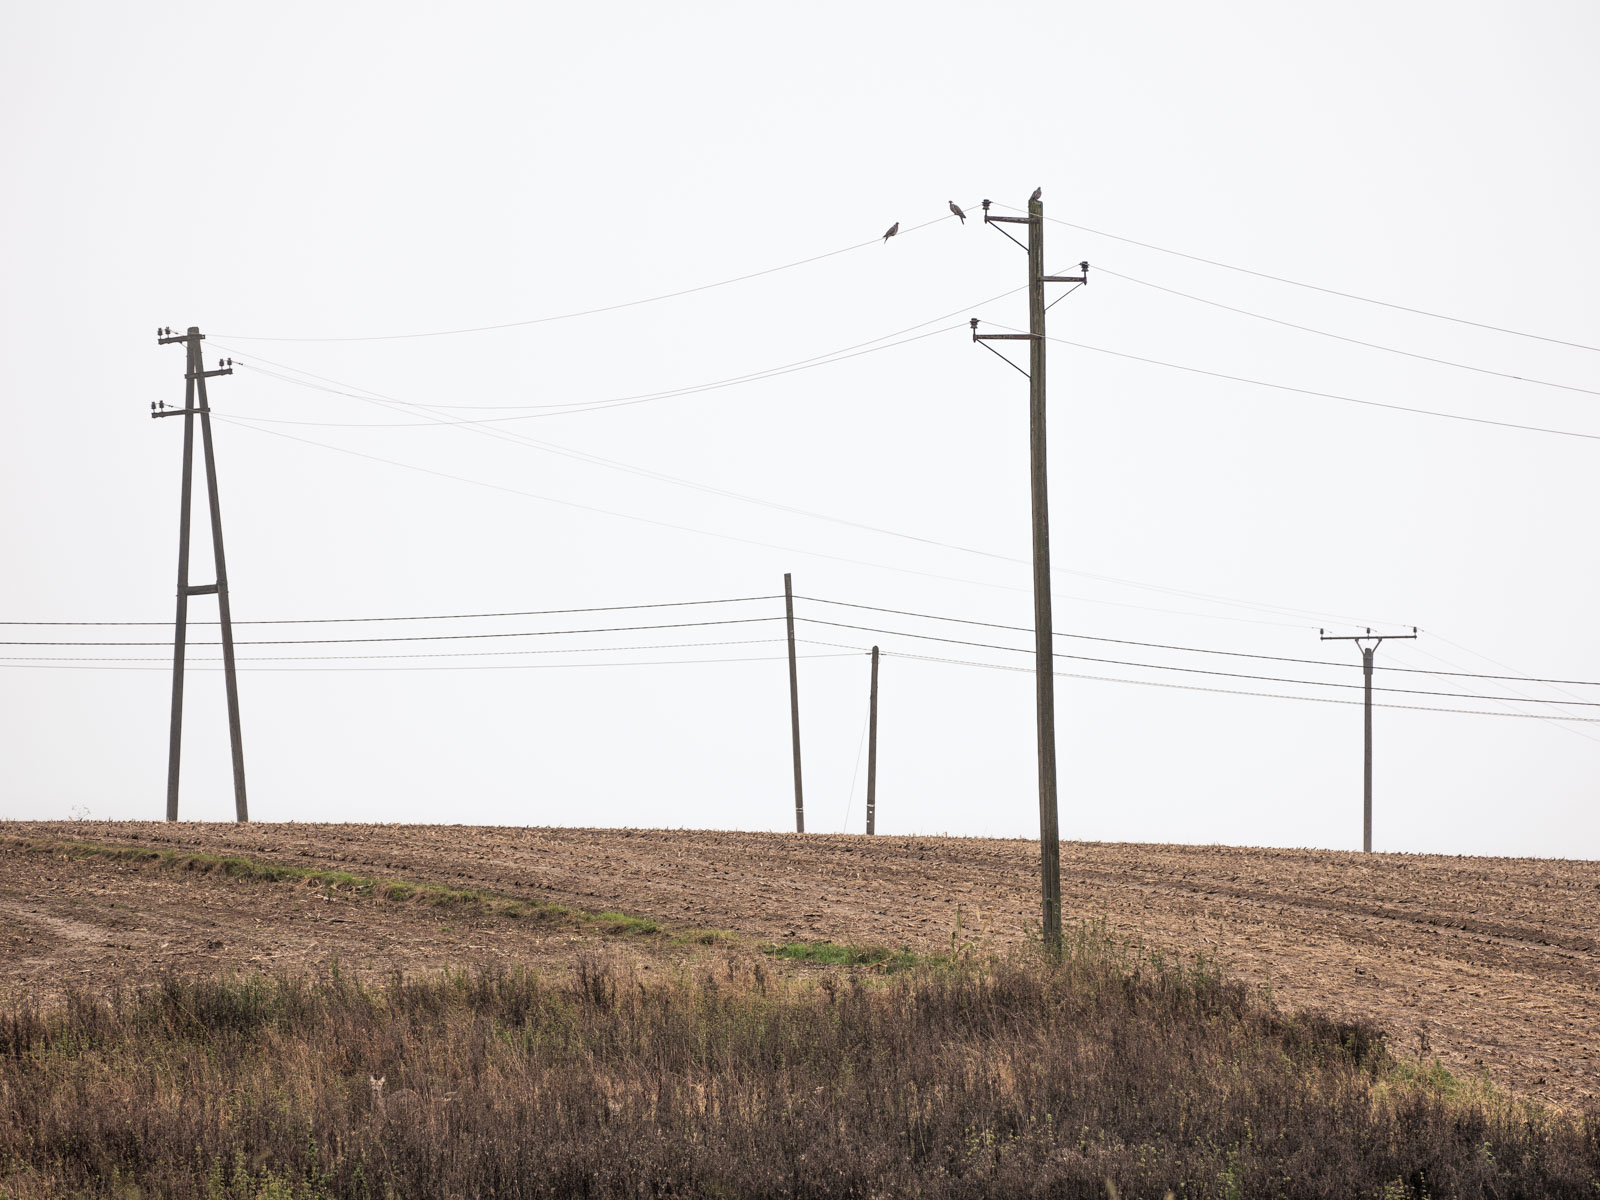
956,208
893,229
1038,192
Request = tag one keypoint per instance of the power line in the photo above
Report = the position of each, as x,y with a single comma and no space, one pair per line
1165,667
540,612
1339,337
413,654
431,637
1189,687
901,612
730,537
881,566
1421,312
1315,662
584,456
806,364
663,662
587,312
1283,387
648,473
1529,696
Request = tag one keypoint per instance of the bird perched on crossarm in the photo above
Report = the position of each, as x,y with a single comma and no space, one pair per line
955,208
1037,192
893,229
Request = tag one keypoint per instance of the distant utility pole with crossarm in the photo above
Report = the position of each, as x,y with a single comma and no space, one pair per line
1367,651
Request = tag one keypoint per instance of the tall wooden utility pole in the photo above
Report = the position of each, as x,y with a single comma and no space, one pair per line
196,404
794,705
1044,634
872,748
1367,651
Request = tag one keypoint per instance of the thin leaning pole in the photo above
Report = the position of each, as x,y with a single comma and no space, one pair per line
872,748
794,704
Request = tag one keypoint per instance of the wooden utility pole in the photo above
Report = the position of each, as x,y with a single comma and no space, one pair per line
1044,634
195,403
1367,653
794,705
872,748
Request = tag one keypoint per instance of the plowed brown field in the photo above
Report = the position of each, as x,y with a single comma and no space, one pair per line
1487,963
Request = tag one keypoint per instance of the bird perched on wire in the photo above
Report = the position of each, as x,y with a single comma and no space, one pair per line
1037,193
893,229
955,208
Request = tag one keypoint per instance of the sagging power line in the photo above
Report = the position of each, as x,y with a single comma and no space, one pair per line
1327,291
802,618
587,312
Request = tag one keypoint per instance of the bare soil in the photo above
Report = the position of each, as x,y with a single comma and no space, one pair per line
1490,964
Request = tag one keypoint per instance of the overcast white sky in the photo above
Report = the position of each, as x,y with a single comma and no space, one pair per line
344,171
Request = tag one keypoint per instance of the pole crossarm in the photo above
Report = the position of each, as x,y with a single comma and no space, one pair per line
1000,337
1377,639
1084,278
997,221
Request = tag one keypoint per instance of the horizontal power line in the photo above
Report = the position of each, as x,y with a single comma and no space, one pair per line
576,407
1115,662
1212,262
819,554
1189,687
901,612
589,312
584,456
654,662
1318,662
659,476
429,637
535,612
411,654
1283,387
1339,337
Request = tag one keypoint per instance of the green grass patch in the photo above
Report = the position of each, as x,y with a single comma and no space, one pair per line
431,895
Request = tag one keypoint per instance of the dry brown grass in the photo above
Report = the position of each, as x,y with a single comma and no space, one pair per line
994,1077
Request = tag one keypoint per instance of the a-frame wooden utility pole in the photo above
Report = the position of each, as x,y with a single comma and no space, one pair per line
196,405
